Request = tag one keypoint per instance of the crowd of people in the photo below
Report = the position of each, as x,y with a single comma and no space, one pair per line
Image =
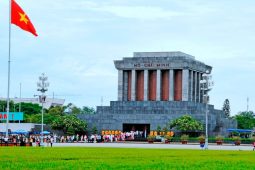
30,140
26,140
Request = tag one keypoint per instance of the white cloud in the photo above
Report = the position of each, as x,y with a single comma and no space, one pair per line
78,41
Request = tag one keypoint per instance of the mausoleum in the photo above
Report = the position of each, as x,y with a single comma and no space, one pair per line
154,88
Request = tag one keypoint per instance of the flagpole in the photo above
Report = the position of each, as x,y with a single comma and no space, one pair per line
9,68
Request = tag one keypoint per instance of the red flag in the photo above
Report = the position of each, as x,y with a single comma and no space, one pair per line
19,18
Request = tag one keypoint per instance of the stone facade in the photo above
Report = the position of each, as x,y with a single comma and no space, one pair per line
156,87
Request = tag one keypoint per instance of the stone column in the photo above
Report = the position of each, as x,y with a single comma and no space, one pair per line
191,86
199,88
164,85
133,84
129,80
145,85
158,95
185,84
196,86
120,85
125,86
171,85
139,85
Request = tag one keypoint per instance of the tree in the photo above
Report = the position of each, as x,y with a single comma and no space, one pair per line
165,129
69,124
94,129
245,120
57,123
32,118
226,108
54,116
72,109
3,105
186,123
56,110
27,108
87,110
70,131
78,125
158,129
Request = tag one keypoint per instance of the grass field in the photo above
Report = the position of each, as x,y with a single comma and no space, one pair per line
120,158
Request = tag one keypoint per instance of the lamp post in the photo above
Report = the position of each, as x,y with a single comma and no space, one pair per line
42,87
207,84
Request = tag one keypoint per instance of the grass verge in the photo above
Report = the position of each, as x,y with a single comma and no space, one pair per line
123,158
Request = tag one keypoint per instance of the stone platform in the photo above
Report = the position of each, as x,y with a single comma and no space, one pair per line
156,113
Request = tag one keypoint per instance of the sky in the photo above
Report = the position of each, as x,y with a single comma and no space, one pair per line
79,40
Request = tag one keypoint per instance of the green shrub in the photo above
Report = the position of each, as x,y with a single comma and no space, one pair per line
168,137
151,138
236,138
219,138
184,137
201,138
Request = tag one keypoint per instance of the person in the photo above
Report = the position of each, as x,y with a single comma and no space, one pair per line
6,140
31,141
253,145
22,143
48,141
85,139
51,141
202,145
38,142
14,141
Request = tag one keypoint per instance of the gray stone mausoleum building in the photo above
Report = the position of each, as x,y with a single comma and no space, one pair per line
154,88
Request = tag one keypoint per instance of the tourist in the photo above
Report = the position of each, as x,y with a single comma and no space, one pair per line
91,139
95,138
111,138
38,142
55,138
61,139
6,140
14,141
48,141
77,138
51,141
202,145
85,139
22,143
31,141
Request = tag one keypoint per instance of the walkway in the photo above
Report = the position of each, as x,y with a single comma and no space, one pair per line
154,146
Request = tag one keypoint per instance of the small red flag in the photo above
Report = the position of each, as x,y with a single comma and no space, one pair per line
19,18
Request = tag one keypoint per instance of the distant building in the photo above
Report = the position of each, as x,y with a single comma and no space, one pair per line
17,126
48,103
155,88
25,127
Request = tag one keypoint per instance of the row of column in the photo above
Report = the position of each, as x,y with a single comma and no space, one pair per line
159,85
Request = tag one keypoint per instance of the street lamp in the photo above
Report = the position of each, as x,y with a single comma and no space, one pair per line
42,87
207,84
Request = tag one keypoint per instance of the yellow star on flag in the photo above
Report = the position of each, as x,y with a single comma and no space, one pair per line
23,18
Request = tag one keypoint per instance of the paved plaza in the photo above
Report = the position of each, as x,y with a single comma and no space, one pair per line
155,146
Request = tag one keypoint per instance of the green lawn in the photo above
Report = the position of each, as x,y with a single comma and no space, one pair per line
115,158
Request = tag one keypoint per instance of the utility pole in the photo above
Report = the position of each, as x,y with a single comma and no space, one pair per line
42,87
19,98
207,84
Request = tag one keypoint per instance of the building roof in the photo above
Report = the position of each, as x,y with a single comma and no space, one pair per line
161,60
163,54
